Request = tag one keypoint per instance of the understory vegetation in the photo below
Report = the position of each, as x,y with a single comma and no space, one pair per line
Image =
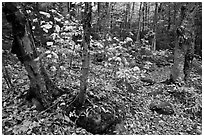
127,91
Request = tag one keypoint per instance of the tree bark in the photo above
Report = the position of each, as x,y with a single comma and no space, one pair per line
148,15
169,16
132,13
143,16
68,6
85,54
107,17
177,74
127,14
99,17
189,55
155,26
139,23
42,90
111,15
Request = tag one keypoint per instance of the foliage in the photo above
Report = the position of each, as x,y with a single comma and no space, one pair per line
118,64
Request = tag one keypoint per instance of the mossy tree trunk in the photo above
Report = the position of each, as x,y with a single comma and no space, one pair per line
42,90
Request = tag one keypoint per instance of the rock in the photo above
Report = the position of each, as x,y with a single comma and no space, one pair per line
162,108
147,80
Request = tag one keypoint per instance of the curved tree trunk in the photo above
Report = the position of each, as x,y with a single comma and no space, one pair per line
42,90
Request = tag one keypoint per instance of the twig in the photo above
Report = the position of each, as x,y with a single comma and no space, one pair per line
48,108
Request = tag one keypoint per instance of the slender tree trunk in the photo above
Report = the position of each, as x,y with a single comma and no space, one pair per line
111,15
143,16
42,90
169,17
148,15
69,6
155,26
127,15
85,54
175,11
132,13
139,23
107,21
99,17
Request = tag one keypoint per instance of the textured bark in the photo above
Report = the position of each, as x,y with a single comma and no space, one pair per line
184,43
24,48
177,74
85,58
193,21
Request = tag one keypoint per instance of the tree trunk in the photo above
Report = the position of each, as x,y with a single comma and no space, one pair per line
169,17
139,23
127,15
148,15
85,54
99,17
175,11
132,13
155,26
42,90
194,22
177,74
68,6
107,21
169,24
143,16
111,15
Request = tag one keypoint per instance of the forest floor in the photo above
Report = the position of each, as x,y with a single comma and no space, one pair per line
18,117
